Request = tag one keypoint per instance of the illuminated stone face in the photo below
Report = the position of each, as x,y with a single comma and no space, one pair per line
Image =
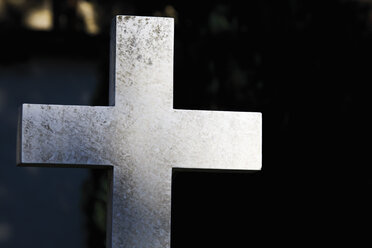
140,137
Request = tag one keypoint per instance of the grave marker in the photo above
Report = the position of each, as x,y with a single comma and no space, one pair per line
139,137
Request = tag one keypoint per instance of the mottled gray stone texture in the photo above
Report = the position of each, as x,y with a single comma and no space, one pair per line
140,136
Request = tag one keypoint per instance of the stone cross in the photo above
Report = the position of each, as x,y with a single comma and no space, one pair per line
140,137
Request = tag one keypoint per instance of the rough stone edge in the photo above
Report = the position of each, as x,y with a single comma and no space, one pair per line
112,74
19,136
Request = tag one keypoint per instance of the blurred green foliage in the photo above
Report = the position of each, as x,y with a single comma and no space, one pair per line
94,204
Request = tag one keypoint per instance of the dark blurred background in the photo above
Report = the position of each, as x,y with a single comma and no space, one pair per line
305,65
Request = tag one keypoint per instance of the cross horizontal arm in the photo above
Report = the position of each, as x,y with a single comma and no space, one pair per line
202,139
53,135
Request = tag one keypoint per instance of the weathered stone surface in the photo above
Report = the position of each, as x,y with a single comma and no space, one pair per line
140,137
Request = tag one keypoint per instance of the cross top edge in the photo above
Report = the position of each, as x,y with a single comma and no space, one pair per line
141,60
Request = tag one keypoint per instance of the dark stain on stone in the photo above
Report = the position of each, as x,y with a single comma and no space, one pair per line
132,41
157,30
47,127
